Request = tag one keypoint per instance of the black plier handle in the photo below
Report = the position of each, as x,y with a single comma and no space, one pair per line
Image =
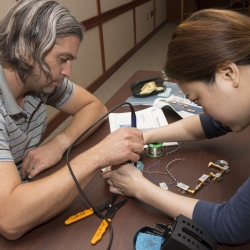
90,211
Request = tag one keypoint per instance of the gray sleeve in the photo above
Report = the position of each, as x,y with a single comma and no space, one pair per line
213,128
61,94
229,222
5,153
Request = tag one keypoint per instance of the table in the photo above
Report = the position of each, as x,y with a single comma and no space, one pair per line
135,215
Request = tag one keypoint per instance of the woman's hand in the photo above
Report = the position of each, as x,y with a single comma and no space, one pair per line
126,180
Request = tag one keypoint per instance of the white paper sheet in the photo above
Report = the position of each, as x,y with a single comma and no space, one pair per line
146,119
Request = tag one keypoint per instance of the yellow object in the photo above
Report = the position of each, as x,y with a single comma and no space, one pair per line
100,232
149,88
79,216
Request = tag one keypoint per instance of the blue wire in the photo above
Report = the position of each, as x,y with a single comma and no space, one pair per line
149,167
150,174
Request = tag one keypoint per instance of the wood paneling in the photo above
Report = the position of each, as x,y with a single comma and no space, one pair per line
111,4
160,12
81,9
118,36
88,66
144,20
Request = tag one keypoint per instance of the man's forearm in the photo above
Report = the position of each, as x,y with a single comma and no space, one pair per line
33,203
79,123
43,199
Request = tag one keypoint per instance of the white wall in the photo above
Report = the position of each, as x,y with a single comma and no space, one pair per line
5,5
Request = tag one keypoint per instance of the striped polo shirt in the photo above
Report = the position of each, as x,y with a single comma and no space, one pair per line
22,129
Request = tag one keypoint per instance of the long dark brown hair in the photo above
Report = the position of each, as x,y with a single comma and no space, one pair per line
205,40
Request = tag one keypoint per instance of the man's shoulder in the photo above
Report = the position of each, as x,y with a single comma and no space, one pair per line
61,94
2,105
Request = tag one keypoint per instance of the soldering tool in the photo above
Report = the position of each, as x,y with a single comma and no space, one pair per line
133,118
133,123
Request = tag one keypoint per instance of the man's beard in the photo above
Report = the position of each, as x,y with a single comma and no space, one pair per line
40,83
48,89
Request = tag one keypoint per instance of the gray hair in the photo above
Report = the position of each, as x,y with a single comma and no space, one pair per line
30,29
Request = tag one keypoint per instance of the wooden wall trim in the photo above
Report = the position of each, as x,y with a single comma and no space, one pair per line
105,16
99,81
60,117
134,22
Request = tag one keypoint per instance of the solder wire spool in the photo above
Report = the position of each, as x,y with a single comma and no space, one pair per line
155,149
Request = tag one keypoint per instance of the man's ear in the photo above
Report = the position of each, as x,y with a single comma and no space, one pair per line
229,71
27,56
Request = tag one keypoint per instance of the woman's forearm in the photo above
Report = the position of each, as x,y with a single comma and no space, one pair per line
188,129
168,202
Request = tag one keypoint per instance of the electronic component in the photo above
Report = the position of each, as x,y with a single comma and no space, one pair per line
205,179
222,166
202,181
182,187
140,165
163,185
216,177
106,169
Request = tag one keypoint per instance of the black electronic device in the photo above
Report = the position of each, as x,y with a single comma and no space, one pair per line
183,234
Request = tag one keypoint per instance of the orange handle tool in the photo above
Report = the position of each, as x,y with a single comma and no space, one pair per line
100,232
79,216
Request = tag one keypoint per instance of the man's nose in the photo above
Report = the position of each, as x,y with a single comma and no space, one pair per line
66,70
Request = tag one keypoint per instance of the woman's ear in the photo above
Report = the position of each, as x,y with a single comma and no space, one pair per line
229,71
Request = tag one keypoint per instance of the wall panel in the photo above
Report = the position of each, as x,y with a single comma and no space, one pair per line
111,4
118,37
160,12
5,6
88,65
82,9
144,20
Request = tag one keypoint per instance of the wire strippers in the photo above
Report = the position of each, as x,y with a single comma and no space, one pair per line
111,210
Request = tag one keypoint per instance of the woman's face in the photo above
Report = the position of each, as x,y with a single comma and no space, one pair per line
227,100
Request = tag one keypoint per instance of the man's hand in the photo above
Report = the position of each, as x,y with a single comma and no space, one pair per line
39,159
123,145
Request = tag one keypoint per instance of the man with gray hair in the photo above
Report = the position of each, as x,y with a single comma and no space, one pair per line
39,39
